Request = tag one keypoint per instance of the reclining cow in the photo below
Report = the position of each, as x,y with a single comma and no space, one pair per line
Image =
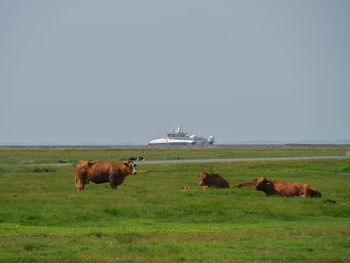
212,180
272,187
102,172
247,184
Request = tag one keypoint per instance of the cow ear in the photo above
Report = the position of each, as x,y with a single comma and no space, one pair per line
126,163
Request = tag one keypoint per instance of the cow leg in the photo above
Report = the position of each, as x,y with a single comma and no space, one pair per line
80,186
113,184
83,181
112,181
304,192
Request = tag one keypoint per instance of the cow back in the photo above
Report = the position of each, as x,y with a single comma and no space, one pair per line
291,189
216,180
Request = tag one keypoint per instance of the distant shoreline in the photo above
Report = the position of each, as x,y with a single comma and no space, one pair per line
215,146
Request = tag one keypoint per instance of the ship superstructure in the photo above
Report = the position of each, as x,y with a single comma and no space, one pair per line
179,137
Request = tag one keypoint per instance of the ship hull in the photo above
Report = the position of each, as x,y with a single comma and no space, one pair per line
169,142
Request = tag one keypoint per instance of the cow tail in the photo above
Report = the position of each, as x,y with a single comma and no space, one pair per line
76,180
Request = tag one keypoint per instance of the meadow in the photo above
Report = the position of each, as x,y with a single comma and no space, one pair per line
149,219
42,155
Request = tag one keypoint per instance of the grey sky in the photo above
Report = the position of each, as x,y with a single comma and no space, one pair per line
128,71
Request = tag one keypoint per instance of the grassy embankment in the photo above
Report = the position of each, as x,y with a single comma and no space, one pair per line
149,218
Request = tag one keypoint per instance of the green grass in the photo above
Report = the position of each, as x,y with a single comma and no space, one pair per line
30,155
149,219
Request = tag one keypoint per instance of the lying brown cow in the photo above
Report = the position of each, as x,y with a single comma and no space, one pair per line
102,172
247,184
212,180
272,187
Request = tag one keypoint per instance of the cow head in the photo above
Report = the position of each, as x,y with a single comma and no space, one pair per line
203,176
131,166
262,183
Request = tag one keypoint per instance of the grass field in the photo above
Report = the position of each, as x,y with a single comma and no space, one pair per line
149,219
30,155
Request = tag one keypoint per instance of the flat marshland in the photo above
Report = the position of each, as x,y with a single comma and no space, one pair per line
149,219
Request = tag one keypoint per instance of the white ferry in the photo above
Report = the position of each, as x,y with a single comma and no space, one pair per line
178,137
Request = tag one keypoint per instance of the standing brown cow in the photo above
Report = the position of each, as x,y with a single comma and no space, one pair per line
247,184
102,172
272,187
212,179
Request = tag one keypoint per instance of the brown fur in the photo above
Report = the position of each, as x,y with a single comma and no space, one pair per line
247,184
272,187
102,172
212,180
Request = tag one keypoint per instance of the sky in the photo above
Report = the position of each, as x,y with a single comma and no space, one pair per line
126,72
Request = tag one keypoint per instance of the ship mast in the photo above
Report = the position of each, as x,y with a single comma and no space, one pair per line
178,130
